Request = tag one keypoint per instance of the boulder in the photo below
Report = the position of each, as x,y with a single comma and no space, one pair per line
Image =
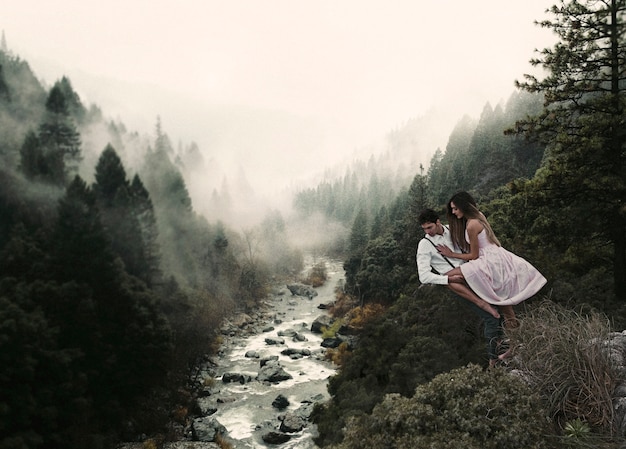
235,377
275,437
206,429
321,322
292,423
281,402
273,372
302,290
265,360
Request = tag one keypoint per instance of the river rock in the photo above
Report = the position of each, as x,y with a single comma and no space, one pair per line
287,333
332,342
321,322
252,355
302,290
273,372
206,429
276,437
299,337
292,423
235,377
281,402
275,341
296,351
265,360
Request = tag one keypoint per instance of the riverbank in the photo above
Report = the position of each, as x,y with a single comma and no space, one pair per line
261,387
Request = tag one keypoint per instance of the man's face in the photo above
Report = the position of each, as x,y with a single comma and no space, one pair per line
431,228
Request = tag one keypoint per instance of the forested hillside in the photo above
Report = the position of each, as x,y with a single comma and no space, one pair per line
548,170
111,286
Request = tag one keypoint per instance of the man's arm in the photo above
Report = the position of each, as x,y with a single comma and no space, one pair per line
424,270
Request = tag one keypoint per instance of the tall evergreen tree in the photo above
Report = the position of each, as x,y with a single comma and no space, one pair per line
583,123
61,144
127,216
146,218
110,176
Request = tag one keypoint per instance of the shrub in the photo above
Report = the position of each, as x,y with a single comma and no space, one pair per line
330,332
338,356
317,276
467,408
360,316
563,355
410,343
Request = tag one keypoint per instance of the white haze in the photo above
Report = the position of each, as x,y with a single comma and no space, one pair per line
275,91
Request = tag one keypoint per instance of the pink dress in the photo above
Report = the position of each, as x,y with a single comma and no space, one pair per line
500,277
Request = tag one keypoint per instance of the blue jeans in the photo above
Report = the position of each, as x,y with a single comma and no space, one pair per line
493,329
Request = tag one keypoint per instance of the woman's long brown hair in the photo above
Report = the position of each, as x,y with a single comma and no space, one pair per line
466,204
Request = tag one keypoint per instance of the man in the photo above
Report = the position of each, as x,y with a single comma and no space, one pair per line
432,267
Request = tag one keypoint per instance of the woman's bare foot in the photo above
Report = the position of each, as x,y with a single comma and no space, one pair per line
505,354
490,309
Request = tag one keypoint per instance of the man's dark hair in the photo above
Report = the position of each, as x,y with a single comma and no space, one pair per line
428,216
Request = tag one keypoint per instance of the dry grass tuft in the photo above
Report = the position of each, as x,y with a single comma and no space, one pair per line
564,356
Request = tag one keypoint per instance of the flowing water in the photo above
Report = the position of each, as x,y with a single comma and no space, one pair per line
246,409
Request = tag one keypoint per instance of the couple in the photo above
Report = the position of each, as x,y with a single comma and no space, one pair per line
470,260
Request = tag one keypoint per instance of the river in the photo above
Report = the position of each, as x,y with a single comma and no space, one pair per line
246,410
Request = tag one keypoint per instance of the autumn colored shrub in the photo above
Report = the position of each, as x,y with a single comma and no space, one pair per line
339,354
344,303
360,316
317,276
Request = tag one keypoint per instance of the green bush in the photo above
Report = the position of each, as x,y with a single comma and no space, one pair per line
410,343
468,408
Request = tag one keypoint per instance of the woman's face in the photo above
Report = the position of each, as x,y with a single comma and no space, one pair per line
456,211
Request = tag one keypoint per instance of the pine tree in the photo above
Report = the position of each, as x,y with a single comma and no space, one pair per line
110,176
146,218
59,139
80,248
584,173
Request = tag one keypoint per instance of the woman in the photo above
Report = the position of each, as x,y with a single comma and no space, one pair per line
495,274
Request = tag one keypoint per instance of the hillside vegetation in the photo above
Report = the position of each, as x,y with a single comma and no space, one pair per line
548,169
112,287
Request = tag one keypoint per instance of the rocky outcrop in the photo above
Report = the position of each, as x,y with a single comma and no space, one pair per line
206,429
616,350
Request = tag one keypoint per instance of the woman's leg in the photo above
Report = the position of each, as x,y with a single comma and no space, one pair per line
464,291
510,320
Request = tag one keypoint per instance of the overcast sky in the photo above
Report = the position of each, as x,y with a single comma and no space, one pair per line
364,66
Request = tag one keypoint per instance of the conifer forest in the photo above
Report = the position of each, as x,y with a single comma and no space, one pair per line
113,286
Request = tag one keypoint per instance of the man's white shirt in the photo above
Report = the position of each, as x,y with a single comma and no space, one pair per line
428,257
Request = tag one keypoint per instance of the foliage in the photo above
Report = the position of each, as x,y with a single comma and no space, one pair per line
582,123
109,292
415,339
339,355
361,316
330,332
466,407
317,275
564,356
479,157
